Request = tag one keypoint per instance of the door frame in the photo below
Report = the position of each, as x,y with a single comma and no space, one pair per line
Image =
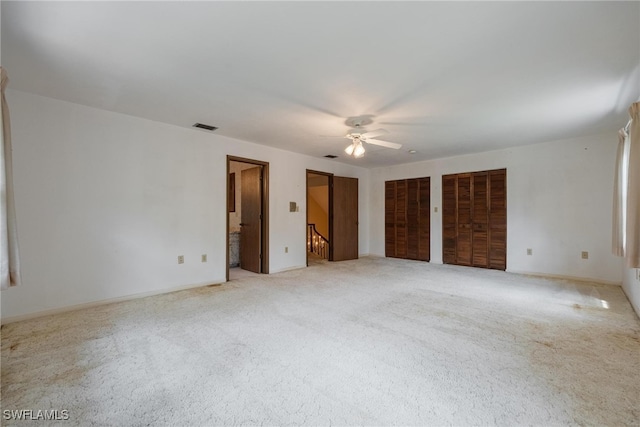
264,223
330,213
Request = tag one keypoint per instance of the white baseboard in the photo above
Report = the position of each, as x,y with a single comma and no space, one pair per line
90,304
558,276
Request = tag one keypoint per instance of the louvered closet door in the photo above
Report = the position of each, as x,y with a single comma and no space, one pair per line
407,219
449,215
474,219
395,223
390,218
480,223
413,218
424,215
401,219
498,219
463,238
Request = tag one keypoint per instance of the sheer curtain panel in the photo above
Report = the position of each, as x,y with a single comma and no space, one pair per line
9,258
619,197
632,241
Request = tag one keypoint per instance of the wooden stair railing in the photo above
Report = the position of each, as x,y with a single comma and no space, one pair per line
316,242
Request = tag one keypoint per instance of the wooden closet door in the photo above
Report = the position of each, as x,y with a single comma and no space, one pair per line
474,219
449,215
498,219
407,226
424,215
413,218
463,238
401,219
480,215
390,218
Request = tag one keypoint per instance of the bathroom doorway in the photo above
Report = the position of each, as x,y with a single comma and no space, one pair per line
247,216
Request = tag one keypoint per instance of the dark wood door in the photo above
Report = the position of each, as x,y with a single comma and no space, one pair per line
498,219
251,217
474,223
413,219
344,227
390,218
480,220
424,217
463,238
449,215
407,218
401,219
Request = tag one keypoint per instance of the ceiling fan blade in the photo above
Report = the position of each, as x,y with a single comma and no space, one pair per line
374,133
407,124
420,121
384,143
333,136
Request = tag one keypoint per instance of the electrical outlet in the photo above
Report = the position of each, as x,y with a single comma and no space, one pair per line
180,259
204,257
286,249
529,251
585,255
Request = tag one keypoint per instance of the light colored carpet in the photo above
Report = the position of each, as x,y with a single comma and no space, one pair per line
238,273
369,342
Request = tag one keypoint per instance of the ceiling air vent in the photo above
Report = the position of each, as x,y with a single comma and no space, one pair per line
205,127
330,156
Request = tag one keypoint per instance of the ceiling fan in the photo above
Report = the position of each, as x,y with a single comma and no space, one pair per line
358,135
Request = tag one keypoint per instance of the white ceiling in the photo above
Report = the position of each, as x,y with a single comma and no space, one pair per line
444,78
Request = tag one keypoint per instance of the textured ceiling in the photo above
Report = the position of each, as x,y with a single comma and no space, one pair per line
444,78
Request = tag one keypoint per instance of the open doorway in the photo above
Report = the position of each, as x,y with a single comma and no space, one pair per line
318,211
247,217
332,217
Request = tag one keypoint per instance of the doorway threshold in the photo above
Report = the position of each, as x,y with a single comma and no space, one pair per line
237,273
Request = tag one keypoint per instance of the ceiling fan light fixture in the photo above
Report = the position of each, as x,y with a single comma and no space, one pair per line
359,135
358,151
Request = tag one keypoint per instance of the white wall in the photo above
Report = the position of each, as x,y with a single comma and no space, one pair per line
631,286
559,198
106,202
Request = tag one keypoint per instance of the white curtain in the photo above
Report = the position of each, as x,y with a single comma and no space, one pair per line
632,241
619,195
9,258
